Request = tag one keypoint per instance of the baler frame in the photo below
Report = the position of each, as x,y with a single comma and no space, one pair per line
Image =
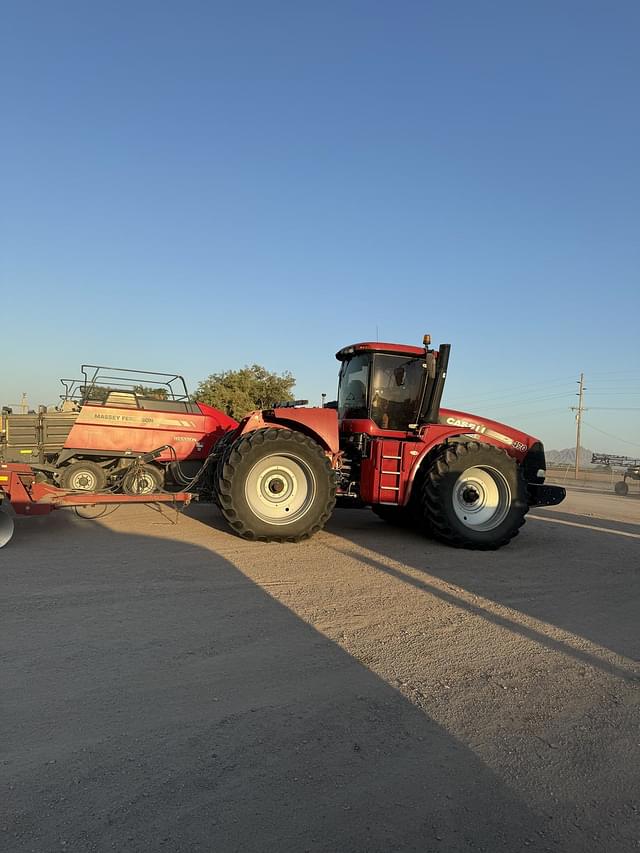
124,380
20,488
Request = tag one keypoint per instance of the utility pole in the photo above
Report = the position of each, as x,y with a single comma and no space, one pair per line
23,404
324,400
579,409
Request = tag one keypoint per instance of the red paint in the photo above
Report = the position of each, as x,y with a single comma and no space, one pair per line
505,430
354,426
433,435
115,430
17,489
413,447
379,346
30,498
385,478
319,424
383,475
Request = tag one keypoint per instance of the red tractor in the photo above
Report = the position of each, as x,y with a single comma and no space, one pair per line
387,444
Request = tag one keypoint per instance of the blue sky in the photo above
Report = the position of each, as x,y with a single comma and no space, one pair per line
195,186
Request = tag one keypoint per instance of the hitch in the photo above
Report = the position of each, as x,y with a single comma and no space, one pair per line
540,495
19,488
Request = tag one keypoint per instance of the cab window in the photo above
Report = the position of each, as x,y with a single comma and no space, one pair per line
396,390
353,390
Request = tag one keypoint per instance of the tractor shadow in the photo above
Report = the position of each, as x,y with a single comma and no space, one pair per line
156,698
582,581
207,513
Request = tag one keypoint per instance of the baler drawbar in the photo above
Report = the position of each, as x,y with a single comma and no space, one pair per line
20,488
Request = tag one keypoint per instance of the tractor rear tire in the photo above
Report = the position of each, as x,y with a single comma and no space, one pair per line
275,485
220,450
474,496
143,480
621,488
83,476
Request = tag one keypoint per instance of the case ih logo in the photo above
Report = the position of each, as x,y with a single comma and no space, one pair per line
482,429
457,422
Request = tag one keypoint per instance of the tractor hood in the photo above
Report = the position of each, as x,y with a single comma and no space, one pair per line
465,423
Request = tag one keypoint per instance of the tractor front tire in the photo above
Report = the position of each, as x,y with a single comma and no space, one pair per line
474,496
83,476
621,488
275,485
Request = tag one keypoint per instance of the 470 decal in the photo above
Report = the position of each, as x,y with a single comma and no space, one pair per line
518,445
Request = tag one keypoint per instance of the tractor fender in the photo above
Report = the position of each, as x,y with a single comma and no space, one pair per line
319,424
460,426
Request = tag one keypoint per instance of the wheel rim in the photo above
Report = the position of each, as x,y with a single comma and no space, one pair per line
84,481
481,498
142,483
280,489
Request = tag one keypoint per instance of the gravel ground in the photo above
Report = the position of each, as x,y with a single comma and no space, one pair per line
171,687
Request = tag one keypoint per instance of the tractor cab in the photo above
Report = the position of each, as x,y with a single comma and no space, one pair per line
390,386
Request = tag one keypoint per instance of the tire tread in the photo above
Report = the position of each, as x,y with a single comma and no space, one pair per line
227,468
433,498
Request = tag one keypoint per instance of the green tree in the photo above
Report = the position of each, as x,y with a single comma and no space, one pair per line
151,392
237,392
94,392
101,392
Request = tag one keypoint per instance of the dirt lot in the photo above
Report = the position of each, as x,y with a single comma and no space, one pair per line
174,688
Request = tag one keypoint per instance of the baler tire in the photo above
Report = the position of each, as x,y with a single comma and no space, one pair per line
143,480
249,491
451,512
84,472
621,488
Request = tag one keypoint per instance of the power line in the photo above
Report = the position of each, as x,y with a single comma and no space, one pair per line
514,404
538,412
608,383
611,435
508,392
599,376
519,401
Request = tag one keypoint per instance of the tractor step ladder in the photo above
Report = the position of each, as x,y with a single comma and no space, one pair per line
391,468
